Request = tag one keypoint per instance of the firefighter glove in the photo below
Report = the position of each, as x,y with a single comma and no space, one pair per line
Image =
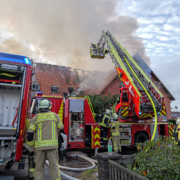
30,136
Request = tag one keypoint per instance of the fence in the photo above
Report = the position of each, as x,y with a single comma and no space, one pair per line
118,172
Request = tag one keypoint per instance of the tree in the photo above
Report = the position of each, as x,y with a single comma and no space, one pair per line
100,103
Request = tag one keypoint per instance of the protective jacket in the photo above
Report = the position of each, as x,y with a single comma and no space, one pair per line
118,99
105,120
115,128
46,126
116,135
175,135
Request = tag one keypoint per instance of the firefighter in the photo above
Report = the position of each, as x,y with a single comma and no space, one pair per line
118,98
104,123
115,133
46,126
175,132
31,164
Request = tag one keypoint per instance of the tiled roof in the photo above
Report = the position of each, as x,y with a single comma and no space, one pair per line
47,75
149,72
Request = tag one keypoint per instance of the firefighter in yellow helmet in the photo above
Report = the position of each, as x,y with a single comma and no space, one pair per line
176,132
115,133
46,126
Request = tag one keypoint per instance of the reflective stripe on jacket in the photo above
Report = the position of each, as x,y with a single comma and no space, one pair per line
105,119
115,128
46,126
118,100
174,135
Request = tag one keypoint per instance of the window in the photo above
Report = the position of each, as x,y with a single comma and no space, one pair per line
55,89
35,87
164,118
174,114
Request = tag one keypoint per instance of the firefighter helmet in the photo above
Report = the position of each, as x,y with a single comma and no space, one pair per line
108,111
44,104
178,121
115,116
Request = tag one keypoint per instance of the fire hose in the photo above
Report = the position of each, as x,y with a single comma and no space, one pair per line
68,168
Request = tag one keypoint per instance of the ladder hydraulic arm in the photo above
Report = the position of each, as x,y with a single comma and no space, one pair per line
145,96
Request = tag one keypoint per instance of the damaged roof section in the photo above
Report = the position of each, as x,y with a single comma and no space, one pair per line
48,76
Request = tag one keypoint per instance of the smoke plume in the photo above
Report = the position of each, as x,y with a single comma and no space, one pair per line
60,32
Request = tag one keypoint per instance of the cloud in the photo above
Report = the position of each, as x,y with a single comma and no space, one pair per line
163,38
173,19
167,27
164,42
61,31
151,20
171,79
146,36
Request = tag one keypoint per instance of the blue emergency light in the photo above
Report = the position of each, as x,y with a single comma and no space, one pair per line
14,58
140,113
39,93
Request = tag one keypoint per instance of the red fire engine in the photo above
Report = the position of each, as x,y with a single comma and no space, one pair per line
76,114
81,129
15,78
140,99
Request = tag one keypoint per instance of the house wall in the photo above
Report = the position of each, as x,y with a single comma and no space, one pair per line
166,99
113,87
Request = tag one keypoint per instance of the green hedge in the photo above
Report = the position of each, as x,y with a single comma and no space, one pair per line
158,160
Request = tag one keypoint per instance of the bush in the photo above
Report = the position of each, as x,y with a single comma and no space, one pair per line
158,159
100,102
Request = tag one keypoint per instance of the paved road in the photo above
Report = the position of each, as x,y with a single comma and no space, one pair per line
73,162
23,174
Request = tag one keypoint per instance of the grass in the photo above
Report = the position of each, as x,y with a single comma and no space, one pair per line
89,174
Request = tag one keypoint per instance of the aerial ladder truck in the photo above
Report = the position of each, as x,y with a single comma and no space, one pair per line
140,99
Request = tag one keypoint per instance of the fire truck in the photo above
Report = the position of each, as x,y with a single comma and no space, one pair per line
76,113
15,79
81,128
140,99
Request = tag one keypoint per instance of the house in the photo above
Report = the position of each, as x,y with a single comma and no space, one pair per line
175,113
53,79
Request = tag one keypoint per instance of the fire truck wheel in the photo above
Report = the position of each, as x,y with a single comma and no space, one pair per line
120,114
140,137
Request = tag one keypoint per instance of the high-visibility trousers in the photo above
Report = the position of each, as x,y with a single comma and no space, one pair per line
31,167
40,158
105,133
116,143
